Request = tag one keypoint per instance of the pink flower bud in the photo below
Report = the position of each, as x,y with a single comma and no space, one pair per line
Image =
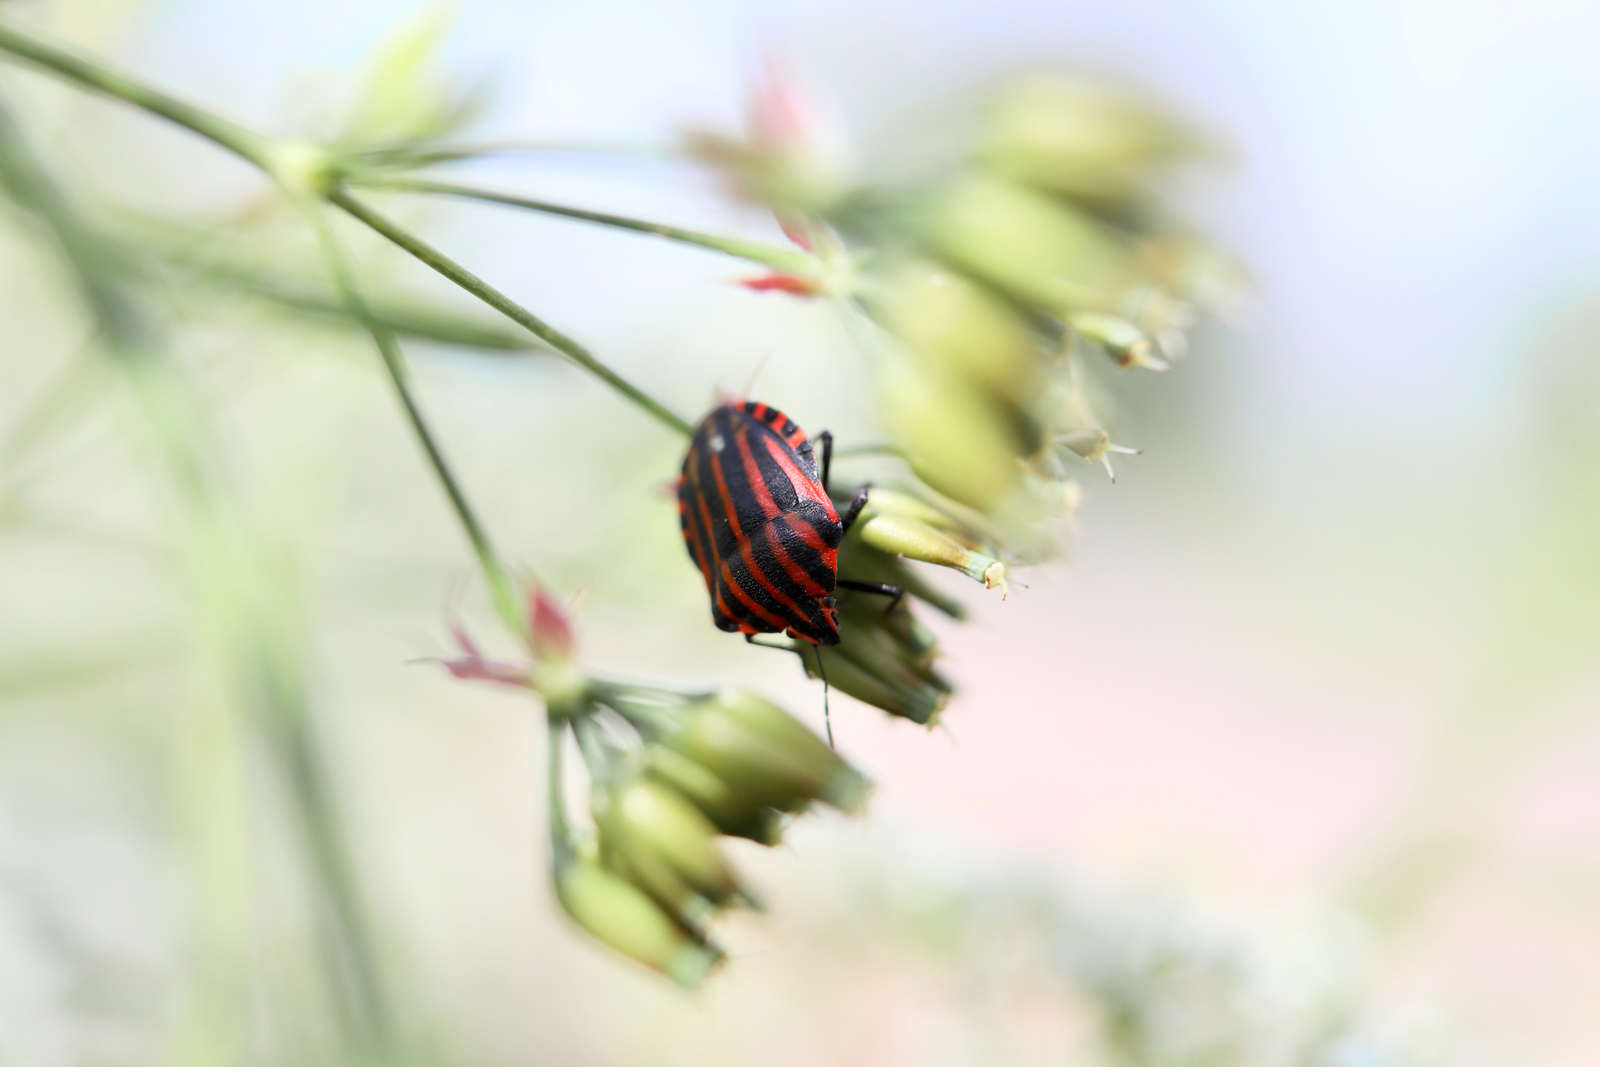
552,633
778,282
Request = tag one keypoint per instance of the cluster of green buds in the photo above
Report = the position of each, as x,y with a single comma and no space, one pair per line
1005,279
669,773
1000,277
886,656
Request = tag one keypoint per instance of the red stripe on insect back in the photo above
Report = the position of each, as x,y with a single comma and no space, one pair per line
752,474
699,545
723,494
804,485
808,533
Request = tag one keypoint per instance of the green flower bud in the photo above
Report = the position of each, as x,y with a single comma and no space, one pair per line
621,915
728,809
652,872
920,704
1039,249
915,539
972,528
1076,137
1128,345
885,634
768,772
764,717
868,564
872,642
955,439
960,328
663,837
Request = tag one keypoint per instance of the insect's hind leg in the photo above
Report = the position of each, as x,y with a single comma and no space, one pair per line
894,592
792,646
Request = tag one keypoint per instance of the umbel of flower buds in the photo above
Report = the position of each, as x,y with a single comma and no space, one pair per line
670,775
997,273
886,656
726,763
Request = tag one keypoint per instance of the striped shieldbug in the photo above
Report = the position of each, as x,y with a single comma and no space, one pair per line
761,527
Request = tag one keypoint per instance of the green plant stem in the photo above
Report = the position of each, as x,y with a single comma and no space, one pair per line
562,839
291,163
411,156
92,75
501,587
504,304
779,259
189,250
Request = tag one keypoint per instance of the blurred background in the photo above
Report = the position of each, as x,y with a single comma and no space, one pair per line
1292,755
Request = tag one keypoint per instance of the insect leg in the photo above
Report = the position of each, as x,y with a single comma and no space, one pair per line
894,592
852,512
750,639
826,437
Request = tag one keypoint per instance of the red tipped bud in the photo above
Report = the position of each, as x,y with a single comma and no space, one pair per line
778,282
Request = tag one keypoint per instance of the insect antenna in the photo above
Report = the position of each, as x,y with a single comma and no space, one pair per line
755,375
827,720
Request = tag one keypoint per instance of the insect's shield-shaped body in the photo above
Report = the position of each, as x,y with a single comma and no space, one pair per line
759,524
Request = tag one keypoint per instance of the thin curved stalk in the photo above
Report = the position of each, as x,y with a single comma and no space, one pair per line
505,305
410,156
92,75
501,588
562,839
289,162
779,259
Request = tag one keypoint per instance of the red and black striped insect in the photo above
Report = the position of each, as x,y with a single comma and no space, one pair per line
761,527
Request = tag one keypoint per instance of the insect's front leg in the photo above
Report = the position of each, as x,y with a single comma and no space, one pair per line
893,592
853,512
826,437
